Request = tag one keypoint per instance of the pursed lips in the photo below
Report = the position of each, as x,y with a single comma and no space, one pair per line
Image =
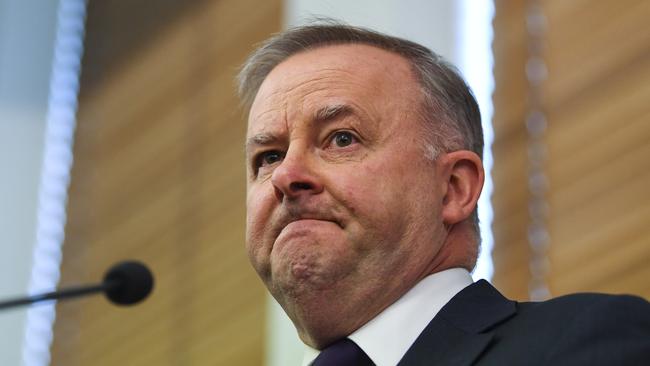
308,219
304,219
304,228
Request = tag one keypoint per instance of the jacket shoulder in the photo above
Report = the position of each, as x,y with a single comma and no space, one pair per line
589,328
580,302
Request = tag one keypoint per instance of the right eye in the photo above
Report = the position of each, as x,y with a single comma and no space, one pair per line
267,158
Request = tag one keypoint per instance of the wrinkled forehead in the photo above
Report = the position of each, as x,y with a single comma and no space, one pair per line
339,74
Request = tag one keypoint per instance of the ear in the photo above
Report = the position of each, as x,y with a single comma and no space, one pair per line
464,176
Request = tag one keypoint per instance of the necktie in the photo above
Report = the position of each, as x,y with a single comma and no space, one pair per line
343,353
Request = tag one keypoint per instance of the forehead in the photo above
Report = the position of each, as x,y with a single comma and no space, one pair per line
361,75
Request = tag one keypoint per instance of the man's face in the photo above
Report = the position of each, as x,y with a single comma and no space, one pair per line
343,207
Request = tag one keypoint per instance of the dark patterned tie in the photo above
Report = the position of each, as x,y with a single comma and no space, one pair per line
343,353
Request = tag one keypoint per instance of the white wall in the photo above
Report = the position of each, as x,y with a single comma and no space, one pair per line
27,31
432,23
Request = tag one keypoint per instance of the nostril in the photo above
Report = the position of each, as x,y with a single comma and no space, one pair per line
278,194
299,186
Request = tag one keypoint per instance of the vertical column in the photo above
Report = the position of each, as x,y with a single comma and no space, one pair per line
27,29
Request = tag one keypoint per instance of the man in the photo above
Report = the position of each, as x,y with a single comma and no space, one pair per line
364,169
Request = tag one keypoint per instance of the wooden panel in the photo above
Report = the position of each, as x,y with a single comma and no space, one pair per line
598,141
159,176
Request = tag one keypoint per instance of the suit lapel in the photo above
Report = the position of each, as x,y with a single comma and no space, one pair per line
461,330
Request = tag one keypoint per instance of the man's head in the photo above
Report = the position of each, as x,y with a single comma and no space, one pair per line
363,156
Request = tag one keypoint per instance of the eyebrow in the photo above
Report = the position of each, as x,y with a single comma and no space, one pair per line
325,114
260,139
331,112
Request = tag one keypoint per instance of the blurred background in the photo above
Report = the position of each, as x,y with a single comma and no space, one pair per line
121,138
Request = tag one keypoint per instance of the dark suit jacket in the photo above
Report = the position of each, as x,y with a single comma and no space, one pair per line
481,327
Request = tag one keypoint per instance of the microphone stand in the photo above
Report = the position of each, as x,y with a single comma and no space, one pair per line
125,283
61,294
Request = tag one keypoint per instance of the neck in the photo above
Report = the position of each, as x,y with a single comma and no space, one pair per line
459,250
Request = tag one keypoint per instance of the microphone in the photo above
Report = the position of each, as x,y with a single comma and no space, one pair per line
126,283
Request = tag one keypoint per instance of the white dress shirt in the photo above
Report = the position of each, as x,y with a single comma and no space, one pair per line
387,337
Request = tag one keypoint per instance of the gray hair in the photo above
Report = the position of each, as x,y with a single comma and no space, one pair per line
451,116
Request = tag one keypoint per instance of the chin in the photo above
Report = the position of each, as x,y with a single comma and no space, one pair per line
303,278
319,320
318,303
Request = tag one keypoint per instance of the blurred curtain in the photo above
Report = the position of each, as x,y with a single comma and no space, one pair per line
571,184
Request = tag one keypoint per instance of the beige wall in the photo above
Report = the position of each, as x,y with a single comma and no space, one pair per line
158,176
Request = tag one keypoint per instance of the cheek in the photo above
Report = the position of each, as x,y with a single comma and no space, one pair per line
386,198
259,208
376,209
378,186
259,205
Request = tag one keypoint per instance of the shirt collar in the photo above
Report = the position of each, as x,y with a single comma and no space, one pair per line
406,317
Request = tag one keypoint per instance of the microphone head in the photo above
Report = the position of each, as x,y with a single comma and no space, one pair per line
128,283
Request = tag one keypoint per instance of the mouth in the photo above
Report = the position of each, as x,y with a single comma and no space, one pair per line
303,225
306,220
306,229
293,219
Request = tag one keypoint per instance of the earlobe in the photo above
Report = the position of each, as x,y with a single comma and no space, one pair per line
464,179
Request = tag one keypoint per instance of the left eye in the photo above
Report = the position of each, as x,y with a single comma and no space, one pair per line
343,138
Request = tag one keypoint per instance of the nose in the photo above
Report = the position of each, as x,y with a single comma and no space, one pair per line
296,176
